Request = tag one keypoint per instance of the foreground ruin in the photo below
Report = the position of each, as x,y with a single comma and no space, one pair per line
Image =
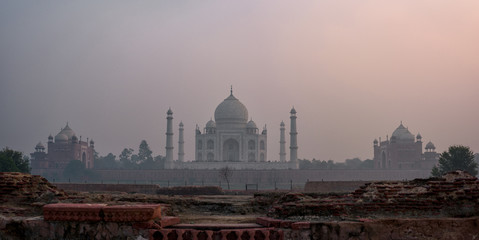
436,208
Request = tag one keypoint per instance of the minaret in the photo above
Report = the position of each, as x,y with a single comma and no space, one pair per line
282,144
181,144
169,140
293,147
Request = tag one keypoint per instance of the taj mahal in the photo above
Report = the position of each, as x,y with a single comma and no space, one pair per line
230,140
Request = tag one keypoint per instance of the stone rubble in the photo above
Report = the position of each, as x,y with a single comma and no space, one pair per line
456,194
25,194
421,209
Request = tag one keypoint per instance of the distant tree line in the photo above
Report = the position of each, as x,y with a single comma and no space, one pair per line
354,163
76,171
127,159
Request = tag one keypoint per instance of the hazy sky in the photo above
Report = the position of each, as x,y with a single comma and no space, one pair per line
352,69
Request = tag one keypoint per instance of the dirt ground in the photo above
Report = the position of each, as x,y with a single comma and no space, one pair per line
190,209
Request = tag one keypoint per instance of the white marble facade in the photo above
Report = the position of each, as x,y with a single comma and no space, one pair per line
228,140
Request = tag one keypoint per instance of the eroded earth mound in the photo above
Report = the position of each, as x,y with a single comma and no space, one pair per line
25,194
456,194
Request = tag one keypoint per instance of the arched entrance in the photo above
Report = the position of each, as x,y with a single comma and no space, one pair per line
231,150
83,158
383,160
210,157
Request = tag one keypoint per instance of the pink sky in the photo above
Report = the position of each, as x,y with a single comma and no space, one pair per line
352,69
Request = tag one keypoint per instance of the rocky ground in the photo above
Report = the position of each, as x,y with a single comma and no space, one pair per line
25,195
190,209
418,209
456,194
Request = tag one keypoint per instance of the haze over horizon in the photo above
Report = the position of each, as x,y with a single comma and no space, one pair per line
353,71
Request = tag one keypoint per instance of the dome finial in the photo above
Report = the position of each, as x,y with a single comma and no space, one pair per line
231,90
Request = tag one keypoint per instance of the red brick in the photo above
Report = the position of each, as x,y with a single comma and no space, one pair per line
300,225
146,225
268,222
131,213
72,212
286,224
168,221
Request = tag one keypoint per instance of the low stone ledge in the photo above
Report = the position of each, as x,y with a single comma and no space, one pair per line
268,222
72,212
279,223
102,212
300,225
168,221
131,213
223,234
216,227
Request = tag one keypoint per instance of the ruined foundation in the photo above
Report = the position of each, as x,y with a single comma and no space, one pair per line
439,208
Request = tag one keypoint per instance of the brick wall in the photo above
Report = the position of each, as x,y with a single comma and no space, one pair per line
332,186
98,187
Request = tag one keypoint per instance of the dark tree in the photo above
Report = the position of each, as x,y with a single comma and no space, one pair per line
106,162
354,163
157,162
96,155
125,158
160,162
226,173
144,152
456,158
76,171
134,161
367,164
13,161
305,164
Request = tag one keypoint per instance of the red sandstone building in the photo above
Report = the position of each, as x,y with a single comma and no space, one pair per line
65,148
404,151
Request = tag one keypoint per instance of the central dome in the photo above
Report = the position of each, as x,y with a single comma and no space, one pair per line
68,132
403,134
231,110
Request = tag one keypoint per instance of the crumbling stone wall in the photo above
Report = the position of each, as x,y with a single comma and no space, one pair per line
418,228
35,228
99,187
377,229
456,194
419,207
141,188
332,186
25,194
191,190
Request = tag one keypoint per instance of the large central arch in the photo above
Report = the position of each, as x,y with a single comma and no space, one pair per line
383,160
231,151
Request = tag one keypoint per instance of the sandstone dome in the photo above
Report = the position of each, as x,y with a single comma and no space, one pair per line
40,146
401,133
67,131
61,137
430,145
